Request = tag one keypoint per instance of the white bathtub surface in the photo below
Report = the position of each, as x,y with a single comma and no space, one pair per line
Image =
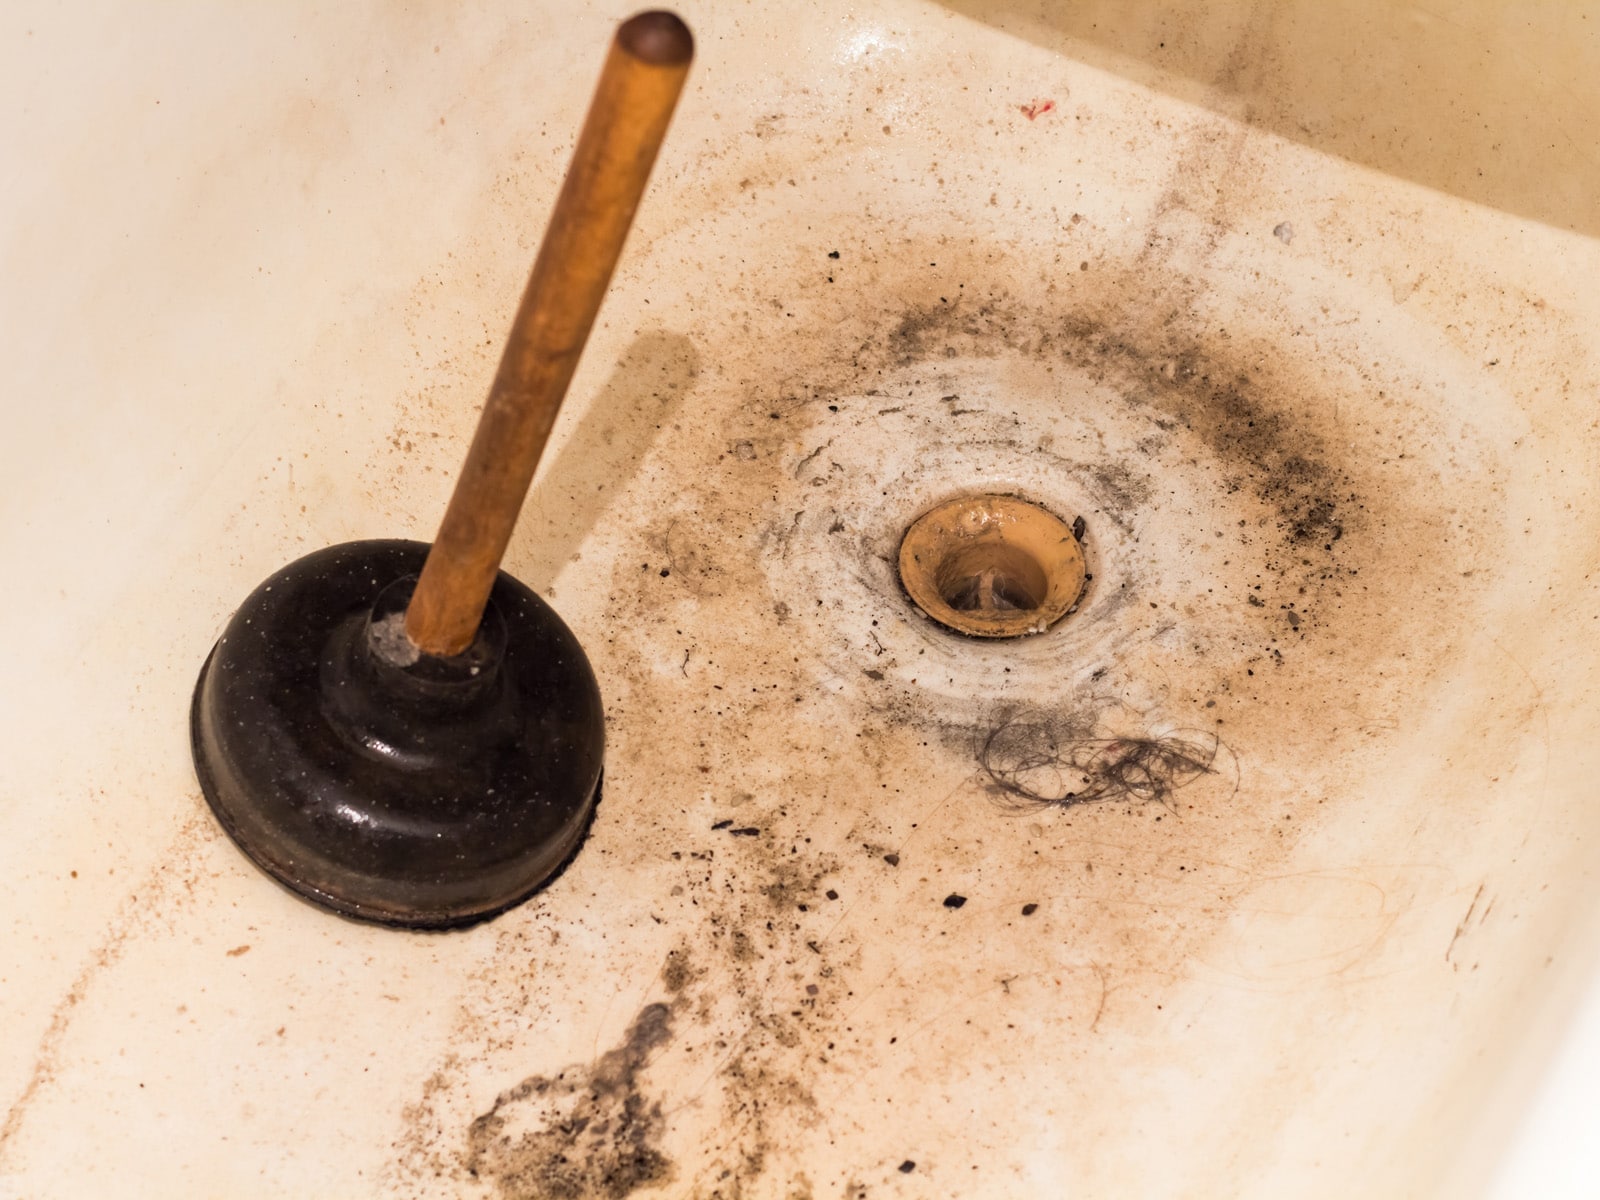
837,931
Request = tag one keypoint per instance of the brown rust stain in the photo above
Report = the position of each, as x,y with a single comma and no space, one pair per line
750,998
796,775
1331,557
159,896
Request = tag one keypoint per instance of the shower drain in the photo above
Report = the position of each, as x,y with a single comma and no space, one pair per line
992,566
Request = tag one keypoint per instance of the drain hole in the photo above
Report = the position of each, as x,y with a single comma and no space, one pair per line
991,578
992,566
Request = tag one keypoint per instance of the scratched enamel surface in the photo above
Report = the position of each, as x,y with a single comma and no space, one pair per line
1262,873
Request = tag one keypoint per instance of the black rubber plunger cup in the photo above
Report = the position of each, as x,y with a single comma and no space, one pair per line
404,733
401,787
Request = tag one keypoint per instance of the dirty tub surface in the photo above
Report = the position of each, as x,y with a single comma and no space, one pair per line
1264,872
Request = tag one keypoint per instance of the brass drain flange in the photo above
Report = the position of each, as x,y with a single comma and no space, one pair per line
992,566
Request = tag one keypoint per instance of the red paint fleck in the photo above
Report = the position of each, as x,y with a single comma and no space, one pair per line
1036,108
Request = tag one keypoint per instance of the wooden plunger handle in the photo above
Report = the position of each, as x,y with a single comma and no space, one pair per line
627,120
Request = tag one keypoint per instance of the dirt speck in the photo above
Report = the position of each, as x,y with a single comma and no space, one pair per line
679,972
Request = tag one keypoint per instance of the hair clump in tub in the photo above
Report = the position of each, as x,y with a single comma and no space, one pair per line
1044,759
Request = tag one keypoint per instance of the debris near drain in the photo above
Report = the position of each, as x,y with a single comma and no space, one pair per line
1057,761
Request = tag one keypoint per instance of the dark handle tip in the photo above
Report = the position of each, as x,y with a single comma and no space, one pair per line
657,37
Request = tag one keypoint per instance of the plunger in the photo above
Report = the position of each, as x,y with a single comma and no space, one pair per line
403,733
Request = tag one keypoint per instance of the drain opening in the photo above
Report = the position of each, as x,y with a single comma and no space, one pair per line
992,566
991,578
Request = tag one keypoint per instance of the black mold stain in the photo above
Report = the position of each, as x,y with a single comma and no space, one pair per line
595,1133
762,997
1286,468
1185,384
1296,501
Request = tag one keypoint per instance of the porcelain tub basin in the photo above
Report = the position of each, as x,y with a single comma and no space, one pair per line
1266,872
